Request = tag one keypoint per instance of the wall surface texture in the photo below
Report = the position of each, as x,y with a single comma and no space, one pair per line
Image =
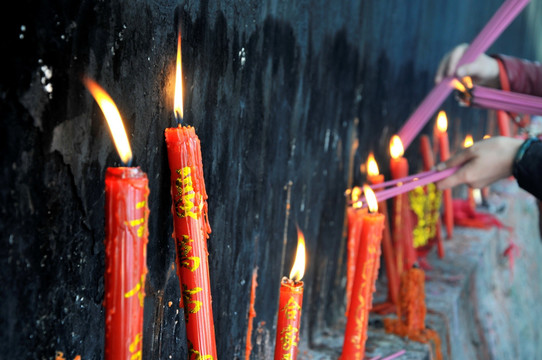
287,97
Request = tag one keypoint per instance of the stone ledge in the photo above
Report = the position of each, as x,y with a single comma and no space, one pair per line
479,306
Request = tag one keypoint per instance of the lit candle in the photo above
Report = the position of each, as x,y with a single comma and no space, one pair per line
290,305
401,218
368,262
442,125
190,229
355,214
374,177
428,163
126,236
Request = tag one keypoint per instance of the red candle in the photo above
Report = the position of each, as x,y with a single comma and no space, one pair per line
374,177
470,193
355,221
368,261
402,226
428,163
126,236
442,125
191,230
290,306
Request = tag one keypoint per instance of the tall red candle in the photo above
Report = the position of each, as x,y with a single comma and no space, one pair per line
368,262
191,230
126,236
374,177
401,220
290,306
442,125
355,214
428,163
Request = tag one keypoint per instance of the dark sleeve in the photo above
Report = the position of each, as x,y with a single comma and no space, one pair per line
528,169
524,76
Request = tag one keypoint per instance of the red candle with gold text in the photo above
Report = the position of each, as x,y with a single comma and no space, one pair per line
401,220
191,230
126,236
368,262
444,147
290,305
428,163
355,221
374,177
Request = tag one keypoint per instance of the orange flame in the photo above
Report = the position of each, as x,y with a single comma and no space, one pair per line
396,147
356,193
370,197
372,166
298,269
487,136
468,141
442,121
458,85
467,80
178,99
113,118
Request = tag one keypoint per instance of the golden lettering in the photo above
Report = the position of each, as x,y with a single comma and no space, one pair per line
184,201
189,262
194,354
291,309
139,289
133,347
191,306
288,337
141,204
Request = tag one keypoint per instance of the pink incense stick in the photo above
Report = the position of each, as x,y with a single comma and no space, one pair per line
394,356
508,11
402,180
496,25
434,176
505,100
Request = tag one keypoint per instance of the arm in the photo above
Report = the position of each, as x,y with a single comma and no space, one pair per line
524,76
497,158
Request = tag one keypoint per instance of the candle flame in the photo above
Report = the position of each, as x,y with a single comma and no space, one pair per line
458,85
356,193
487,136
396,147
370,197
467,80
442,122
178,99
468,141
113,118
372,166
298,269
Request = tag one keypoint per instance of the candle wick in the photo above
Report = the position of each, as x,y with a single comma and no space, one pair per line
178,118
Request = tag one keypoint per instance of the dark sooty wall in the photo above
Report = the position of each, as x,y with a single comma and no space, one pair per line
273,89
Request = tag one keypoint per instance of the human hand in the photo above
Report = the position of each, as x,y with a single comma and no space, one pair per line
483,163
483,71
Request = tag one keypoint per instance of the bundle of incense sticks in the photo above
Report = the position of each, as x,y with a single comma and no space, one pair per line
402,185
488,98
496,25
